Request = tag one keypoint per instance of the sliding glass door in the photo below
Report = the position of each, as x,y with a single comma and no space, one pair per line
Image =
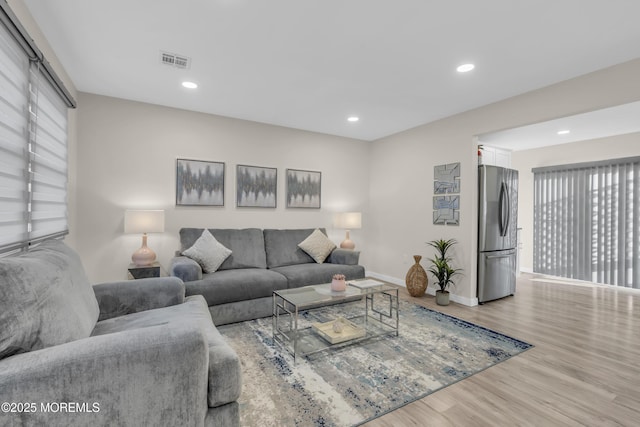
587,221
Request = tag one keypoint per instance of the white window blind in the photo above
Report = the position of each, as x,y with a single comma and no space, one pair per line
33,141
587,221
14,96
48,155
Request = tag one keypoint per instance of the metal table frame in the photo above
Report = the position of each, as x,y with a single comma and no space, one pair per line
377,321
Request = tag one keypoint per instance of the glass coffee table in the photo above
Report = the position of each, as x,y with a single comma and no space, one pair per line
376,316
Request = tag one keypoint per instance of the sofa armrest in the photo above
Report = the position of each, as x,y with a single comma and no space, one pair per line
225,369
185,268
149,376
131,296
344,256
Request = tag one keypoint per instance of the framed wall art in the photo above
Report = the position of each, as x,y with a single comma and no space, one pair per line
446,210
303,188
446,178
256,187
199,183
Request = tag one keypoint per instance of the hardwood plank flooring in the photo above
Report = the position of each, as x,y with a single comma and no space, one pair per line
583,371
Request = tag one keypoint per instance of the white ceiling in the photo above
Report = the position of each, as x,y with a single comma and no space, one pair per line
619,120
310,64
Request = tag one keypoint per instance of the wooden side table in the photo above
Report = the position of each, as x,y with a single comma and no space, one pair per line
137,272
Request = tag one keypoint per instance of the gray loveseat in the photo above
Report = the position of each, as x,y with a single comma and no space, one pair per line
261,261
135,353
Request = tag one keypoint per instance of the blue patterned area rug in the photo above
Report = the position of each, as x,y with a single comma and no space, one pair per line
357,383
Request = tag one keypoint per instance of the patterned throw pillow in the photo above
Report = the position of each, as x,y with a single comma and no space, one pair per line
208,252
318,246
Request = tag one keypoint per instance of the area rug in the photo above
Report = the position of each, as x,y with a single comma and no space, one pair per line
357,383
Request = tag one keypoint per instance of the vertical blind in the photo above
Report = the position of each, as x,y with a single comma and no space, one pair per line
33,142
587,221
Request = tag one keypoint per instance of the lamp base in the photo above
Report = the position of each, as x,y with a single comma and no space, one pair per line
347,243
145,255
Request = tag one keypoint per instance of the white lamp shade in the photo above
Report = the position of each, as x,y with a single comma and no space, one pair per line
348,220
144,221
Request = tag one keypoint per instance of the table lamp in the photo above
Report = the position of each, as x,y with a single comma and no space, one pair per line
348,221
143,221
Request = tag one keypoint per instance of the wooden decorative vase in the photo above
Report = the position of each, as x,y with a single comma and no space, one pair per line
416,279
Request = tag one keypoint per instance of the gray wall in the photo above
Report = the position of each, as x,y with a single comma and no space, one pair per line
127,160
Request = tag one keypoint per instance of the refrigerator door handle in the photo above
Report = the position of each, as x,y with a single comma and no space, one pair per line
506,226
501,210
500,256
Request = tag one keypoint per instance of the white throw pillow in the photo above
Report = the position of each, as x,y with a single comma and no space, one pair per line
208,252
318,246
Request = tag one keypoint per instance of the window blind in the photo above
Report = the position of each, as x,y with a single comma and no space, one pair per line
33,141
48,159
14,96
587,221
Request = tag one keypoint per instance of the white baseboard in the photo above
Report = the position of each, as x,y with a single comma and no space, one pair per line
389,279
526,270
470,302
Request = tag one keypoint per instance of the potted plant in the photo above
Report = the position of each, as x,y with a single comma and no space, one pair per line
442,269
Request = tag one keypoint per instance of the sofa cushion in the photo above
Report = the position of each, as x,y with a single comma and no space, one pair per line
208,252
315,274
282,247
45,299
247,246
225,377
317,246
227,286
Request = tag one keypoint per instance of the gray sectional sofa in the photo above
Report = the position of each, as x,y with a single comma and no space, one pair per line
261,261
134,353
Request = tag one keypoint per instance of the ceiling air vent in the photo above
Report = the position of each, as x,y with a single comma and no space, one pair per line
174,60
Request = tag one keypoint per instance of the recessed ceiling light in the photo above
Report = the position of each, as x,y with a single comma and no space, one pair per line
353,119
564,132
465,68
189,85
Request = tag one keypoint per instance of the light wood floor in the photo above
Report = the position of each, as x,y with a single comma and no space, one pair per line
583,371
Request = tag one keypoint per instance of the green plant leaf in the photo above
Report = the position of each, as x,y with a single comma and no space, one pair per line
441,268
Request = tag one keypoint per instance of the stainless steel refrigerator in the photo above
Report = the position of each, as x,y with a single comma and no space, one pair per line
497,232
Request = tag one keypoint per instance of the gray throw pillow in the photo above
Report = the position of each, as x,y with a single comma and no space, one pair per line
208,252
318,246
